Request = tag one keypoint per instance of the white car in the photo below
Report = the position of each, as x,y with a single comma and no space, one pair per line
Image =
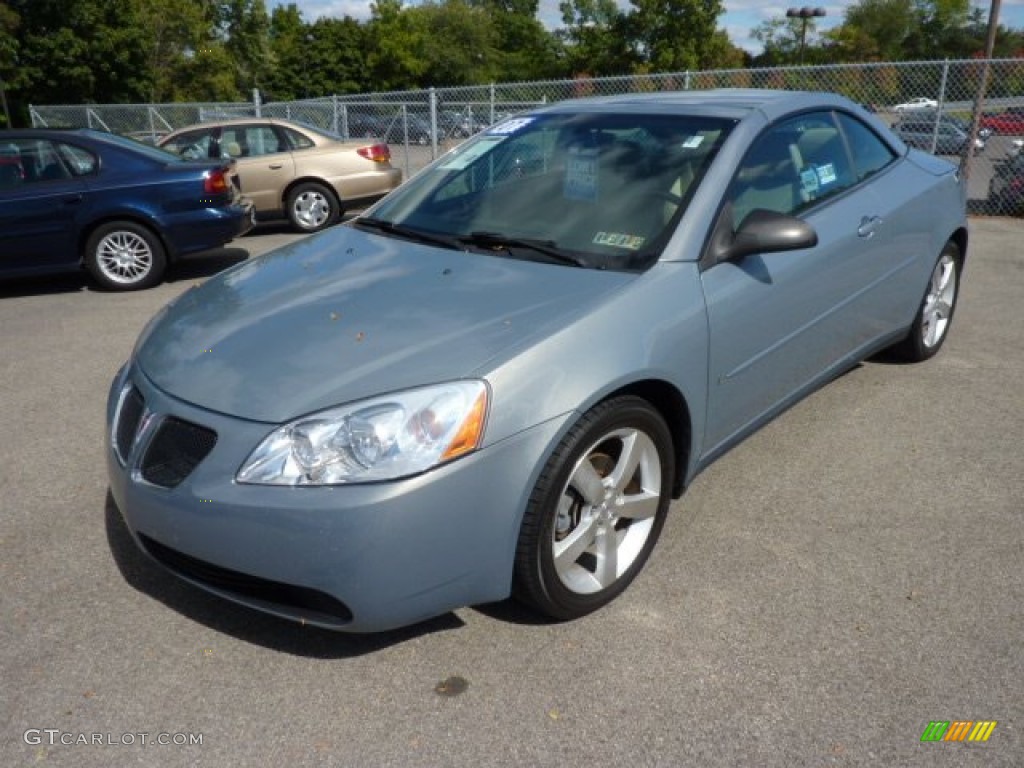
921,102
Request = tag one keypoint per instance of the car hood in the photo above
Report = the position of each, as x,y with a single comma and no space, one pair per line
347,315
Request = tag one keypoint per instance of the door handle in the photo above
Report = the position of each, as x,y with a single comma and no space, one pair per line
276,166
72,199
868,225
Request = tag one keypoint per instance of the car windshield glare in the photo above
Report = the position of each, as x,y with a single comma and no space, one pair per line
605,189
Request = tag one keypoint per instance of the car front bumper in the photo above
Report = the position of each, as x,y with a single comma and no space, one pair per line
361,557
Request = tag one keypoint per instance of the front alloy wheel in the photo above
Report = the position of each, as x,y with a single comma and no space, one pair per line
596,511
936,311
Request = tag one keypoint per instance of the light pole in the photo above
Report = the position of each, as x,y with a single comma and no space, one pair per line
805,14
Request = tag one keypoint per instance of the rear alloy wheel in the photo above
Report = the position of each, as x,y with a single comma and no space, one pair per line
124,256
597,510
931,326
312,207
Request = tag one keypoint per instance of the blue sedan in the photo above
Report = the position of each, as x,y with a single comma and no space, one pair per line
495,381
119,208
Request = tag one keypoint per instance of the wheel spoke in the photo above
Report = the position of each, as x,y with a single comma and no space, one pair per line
634,446
639,506
568,551
588,482
607,554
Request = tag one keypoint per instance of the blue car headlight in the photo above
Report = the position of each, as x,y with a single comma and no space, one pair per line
383,438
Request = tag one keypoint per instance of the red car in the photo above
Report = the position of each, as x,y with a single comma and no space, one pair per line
1010,121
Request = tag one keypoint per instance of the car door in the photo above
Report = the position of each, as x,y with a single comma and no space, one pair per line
779,321
264,164
38,211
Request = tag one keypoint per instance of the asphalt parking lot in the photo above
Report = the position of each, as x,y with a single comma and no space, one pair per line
843,578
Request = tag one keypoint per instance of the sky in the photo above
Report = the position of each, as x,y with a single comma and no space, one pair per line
739,18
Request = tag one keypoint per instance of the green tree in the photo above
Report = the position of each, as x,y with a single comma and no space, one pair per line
675,35
9,72
597,38
81,50
314,60
394,47
174,31
524,49
244,28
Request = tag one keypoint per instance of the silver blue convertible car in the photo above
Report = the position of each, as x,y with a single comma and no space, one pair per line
494,381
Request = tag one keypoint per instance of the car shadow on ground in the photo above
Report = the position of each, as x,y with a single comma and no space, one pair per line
206,264
197,266
246,624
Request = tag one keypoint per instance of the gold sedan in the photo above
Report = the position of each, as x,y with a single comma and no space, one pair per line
292,170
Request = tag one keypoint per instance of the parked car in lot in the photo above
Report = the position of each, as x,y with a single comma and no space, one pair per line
81,198
949,135
397,128
921,102
1006,187
293,170
495,380
1008,122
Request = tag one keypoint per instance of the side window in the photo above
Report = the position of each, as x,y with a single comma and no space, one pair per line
31,161
870,153
792,165
233,141
296,139
80,161
192,145
262,140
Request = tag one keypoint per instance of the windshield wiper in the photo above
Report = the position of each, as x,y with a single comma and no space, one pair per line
410,233
546,247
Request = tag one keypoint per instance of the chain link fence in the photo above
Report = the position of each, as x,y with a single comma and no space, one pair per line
971,111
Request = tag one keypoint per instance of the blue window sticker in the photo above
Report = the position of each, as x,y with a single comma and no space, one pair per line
827,174
581,175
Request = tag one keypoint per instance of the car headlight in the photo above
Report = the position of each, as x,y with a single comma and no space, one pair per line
383,438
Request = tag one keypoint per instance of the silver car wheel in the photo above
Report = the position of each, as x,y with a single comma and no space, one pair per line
607,511
938,304
311,209
124,257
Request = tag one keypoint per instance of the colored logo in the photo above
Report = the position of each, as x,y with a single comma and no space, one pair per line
958,730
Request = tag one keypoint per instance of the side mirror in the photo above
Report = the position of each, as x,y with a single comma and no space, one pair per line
760,232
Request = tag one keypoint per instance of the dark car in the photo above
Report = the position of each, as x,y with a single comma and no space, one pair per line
121,209
1006,187
941,135
399,128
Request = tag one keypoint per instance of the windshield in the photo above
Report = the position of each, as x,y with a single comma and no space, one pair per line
594,189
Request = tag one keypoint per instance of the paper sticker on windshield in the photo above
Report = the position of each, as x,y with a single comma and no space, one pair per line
510,126
693,142
581,175
809,181
466,156
827,174
619,240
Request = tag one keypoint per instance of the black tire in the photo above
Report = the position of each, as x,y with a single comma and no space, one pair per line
558,515
935,313
125,256
312,206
